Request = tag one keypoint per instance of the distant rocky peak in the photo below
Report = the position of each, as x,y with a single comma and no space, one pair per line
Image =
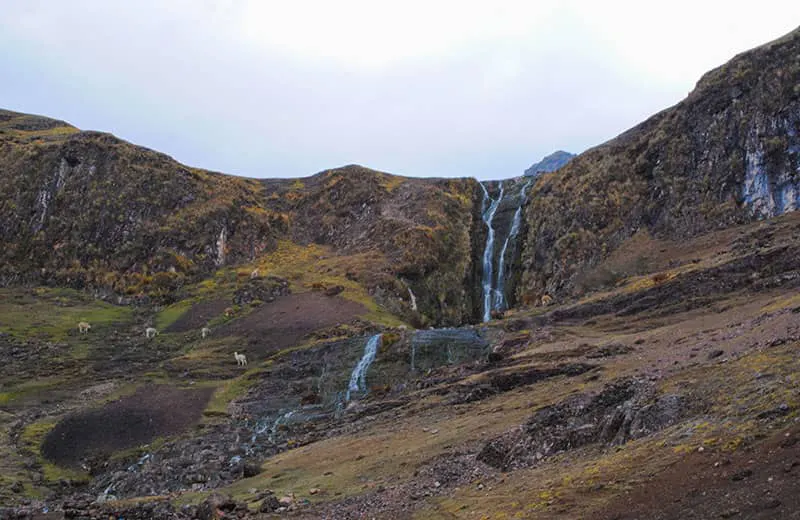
551,163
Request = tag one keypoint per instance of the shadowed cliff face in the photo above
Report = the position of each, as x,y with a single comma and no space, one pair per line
729,153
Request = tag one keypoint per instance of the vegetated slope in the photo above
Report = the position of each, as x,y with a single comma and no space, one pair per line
88,209
727,154
427,231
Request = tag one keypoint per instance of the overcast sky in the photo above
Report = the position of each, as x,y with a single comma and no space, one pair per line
422,88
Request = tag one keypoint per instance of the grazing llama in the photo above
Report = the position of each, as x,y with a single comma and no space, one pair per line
241,359
547,300
254,274
150,332
83,327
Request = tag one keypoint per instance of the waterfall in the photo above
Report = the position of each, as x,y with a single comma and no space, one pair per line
358,379
282,419
499,291
413,300
494,279
490,208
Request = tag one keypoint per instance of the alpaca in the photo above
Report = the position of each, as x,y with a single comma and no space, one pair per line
546,300
84,327
205,331
254,274
241,359
150,332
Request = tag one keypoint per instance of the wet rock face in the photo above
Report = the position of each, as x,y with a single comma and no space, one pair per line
622,411
729,153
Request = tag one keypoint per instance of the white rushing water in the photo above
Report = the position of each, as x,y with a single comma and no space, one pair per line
499,302
489,209
494,280
358,379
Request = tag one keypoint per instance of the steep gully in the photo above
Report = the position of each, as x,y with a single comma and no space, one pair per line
502,214
496,272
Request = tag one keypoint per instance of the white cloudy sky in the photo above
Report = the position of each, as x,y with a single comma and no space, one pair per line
288,88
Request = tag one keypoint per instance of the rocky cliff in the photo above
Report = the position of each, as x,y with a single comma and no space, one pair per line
728,153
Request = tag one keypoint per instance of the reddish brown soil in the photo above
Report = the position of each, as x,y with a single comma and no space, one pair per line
151,412
762,482
286,321
197,317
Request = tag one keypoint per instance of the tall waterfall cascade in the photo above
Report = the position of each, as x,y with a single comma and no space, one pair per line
489,209
496,265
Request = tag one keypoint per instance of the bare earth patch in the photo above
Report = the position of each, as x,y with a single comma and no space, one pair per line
198,315
759,483
151,412
286,321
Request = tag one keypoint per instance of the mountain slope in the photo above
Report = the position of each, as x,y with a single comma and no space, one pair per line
550,163
88,210
729,153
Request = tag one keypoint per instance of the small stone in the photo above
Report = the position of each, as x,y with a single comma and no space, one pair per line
741,475
437,484
286,501
269,504
314,491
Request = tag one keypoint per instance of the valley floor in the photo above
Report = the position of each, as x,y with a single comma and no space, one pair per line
672,393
